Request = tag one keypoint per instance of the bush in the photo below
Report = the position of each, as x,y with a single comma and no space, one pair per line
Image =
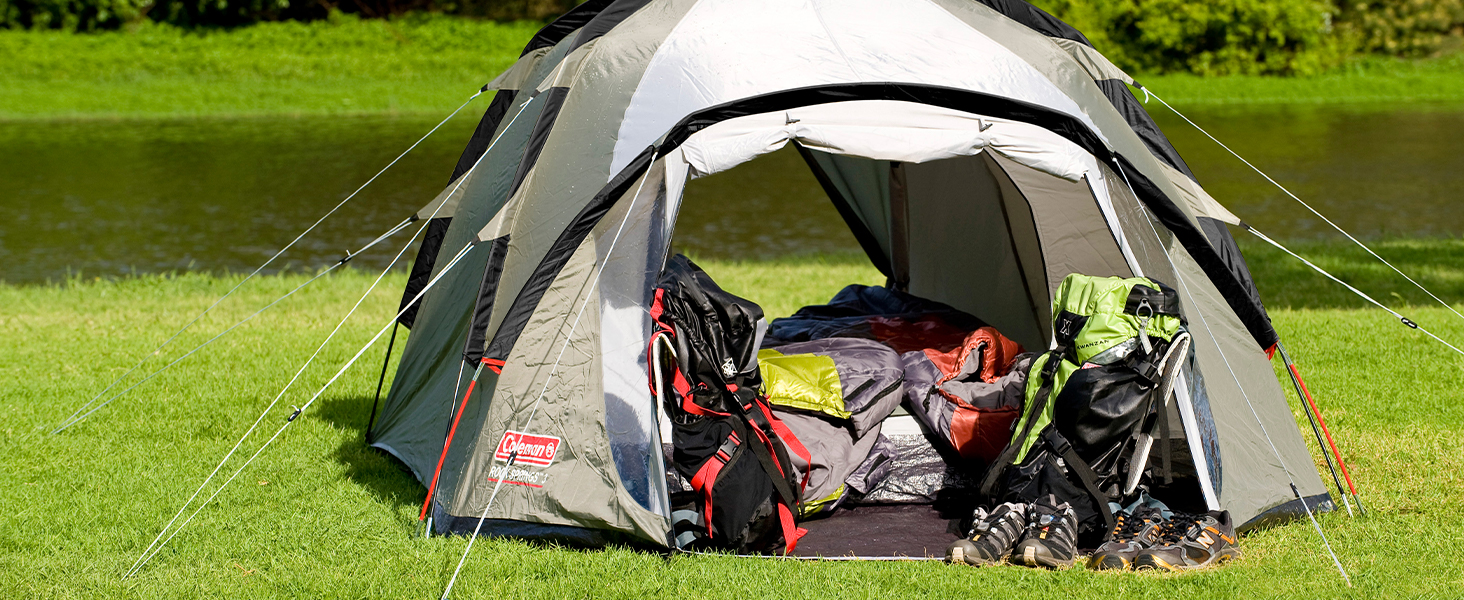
70,15
1400,27
1218,37
91,15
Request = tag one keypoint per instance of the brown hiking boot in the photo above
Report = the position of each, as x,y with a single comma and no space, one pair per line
1193,542
1131,535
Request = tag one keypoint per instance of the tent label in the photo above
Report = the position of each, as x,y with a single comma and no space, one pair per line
537,450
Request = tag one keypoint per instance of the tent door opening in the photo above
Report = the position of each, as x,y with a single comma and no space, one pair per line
980,233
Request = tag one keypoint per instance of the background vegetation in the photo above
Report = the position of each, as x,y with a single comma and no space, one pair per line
1260,37
1215,37
342,65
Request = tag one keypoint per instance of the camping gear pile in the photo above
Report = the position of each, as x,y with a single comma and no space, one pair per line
817,407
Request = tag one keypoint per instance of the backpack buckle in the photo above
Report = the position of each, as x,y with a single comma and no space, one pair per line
1145,307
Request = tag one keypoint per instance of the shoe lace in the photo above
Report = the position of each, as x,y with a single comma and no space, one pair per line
1177,528
1127,527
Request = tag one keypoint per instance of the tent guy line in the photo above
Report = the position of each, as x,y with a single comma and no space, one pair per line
146,557
141,559
1195,306
1405,320
1314,211
349,255
568,337
67,422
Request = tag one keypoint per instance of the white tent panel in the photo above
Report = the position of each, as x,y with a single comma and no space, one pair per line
725,50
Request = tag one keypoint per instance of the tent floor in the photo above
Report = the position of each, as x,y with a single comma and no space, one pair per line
912,530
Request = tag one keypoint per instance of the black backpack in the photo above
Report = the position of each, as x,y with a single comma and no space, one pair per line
726,442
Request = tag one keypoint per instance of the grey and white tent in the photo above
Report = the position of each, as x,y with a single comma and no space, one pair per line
980,150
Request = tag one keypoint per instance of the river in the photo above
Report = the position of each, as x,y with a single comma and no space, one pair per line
108,198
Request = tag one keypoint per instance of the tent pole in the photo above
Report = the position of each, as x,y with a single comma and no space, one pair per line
1236,378
447,443
379,382
155,547
1306,395
1296,382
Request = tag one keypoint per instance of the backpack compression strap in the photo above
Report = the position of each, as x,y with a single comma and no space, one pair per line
772,457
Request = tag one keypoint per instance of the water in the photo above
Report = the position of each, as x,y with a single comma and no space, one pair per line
107,198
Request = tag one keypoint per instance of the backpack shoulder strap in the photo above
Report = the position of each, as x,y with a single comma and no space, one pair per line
1062,448
1039,403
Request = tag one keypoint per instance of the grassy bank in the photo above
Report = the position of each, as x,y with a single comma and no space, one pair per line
321,515
1368,80
431,63
346,66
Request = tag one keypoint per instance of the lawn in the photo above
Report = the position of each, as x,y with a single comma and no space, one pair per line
429,64
322,515
348,66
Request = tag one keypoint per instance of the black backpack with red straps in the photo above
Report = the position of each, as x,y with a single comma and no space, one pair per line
727,444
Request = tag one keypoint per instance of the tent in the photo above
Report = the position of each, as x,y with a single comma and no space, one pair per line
979,150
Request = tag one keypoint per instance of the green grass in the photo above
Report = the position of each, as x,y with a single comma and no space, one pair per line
321,515
346,66
431,63
1366,80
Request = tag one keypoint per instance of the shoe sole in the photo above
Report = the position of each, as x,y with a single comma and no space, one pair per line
1215,560
1109,563
1032,558
958,555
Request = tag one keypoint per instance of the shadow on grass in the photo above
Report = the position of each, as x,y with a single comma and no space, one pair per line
377,471
1283,281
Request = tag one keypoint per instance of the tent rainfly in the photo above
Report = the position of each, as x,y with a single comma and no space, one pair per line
989,127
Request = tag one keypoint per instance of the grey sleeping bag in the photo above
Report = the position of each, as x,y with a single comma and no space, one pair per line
833,394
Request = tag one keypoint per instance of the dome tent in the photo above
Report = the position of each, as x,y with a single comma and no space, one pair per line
990,128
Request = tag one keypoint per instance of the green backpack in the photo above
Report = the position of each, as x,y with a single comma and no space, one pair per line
1095,401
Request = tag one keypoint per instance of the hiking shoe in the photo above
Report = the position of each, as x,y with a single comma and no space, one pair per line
992,536
1051,537
1192,542
1132,534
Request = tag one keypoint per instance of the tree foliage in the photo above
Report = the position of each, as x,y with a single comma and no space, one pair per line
93,15
1216,37
1210,37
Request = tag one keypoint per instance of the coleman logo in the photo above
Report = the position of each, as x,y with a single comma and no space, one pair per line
531,449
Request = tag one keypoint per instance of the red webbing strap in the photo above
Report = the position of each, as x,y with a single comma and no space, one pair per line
791,441
1297,372
678,381
494,364
791,532
448,442
706,476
